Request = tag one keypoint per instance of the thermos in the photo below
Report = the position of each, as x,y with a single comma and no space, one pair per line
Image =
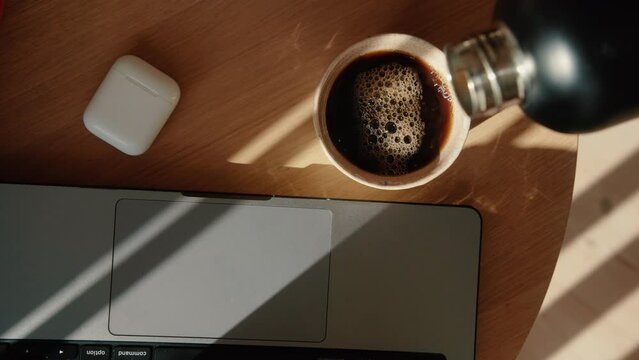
573,66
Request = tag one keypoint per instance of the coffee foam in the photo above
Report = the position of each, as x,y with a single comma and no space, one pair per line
389,99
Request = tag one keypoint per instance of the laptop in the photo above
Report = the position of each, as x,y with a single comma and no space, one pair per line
92,273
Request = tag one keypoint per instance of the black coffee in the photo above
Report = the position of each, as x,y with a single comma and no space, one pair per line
388,113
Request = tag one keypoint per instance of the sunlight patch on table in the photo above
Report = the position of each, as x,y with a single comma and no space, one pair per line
584,255
311,154
597,341
295,117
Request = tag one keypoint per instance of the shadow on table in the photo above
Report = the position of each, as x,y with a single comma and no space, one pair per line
605,287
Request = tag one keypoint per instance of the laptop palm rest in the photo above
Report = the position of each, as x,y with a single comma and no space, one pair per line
203,270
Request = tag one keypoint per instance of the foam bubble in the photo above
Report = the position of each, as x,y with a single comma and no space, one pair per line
389,98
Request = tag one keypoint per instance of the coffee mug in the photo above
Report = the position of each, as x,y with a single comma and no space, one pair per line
458,121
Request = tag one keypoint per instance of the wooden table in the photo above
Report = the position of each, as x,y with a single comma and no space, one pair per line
248,70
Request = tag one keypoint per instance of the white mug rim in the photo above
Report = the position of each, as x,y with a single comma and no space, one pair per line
422,50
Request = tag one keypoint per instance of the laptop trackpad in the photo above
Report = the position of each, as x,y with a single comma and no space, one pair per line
185,269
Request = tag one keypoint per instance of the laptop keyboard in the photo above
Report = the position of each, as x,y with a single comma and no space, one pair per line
46,350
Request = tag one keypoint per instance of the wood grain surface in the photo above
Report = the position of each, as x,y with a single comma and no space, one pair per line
247,70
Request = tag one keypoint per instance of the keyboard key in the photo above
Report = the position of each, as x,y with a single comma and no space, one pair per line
95,352
131,353
282,353
26,351
229,352
64,351
4,351
178,353
60,352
